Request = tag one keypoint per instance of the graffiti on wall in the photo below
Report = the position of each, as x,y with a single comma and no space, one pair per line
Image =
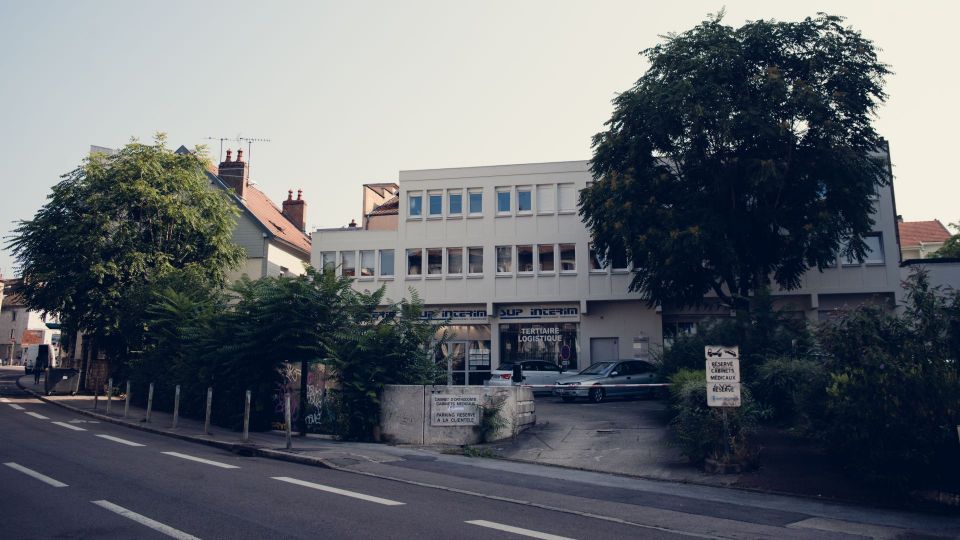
316,409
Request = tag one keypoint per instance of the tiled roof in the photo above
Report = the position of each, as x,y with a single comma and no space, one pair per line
273,219
11,296
390,207
912,233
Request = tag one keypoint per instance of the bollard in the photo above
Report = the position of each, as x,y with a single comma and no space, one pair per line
176,407
126,401
149,402
96,394
286,417
246,418
206,422
109,394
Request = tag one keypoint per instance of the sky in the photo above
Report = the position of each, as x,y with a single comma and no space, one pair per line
353,92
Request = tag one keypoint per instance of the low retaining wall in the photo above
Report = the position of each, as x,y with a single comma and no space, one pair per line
425,415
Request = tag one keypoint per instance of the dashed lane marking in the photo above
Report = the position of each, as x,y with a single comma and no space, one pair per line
30,472
145,521
338,491
516,530
119,440
69,426
201,460
15,406
37,415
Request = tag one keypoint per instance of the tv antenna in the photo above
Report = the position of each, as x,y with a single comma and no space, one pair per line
241,140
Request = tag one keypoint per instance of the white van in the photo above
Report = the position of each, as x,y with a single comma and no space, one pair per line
44,352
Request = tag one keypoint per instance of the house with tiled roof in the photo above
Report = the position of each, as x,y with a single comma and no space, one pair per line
920,239
20,326
272,236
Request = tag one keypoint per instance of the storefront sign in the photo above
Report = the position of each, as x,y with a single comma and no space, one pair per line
540,334
453,315
454,410
723,375
535,312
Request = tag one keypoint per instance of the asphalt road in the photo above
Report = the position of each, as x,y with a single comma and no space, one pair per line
65,476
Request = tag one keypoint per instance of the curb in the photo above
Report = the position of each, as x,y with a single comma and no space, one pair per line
236,448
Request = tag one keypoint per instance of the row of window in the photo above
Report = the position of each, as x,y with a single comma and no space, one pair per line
509,200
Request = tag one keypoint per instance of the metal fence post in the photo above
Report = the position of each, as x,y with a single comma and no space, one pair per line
206,422
126,401
176,407
246,418
109,394
286,415
149,402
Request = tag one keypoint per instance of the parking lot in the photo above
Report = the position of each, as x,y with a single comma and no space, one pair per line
619,436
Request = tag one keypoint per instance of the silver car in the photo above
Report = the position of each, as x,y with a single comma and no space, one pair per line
540,374
605,380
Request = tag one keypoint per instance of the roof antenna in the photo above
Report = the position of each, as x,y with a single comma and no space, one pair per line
250,141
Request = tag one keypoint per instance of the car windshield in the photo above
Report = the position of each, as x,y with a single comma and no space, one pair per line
597,369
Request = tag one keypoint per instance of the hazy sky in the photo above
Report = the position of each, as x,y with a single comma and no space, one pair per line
352,92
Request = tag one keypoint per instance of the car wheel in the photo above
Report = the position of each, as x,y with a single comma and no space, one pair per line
597,395
568,399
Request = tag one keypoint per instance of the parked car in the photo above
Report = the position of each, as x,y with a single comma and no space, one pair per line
596,381
539,373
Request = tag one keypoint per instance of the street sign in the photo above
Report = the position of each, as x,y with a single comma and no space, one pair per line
454,410
721,352
723,394
723,371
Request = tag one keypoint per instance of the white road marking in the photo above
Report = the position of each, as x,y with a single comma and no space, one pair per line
41,477
338,491
878,532
69,426
201,460
516,530
38,415
119,440
15,406
145,521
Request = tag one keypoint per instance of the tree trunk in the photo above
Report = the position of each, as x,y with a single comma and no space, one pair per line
84,360
302,409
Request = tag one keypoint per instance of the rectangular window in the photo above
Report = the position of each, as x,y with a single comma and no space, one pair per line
504,259
525,259
435,204
367,260
874,248
328,260
414,262
545,259
386,262
503,201
434,261
416,205
546,201
13,317
455,203
567,197
348,263
598,262
524,200
568,257
455,261
618,261
476,202
475,260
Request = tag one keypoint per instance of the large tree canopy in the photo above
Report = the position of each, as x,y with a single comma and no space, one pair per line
741,154
117,226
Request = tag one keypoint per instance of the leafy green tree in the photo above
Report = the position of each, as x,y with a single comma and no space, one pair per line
114,228
741,154
951,248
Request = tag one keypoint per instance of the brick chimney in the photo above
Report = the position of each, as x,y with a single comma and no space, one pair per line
294,210
235,174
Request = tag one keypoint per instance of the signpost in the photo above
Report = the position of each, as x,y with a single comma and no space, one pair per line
723,384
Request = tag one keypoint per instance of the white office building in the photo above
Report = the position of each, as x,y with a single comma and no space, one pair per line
501,252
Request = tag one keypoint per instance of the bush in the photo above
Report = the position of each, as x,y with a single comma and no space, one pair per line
699,428
792,390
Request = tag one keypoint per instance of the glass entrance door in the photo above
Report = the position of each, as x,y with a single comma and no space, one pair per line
466,354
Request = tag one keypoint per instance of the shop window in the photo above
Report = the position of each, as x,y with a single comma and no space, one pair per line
386,262
367,261
525,259
598,262
328,260
348,263
546,201
545,259
435,204
567,198
504,259
414,262
554,343
455,261
465,353
475,197
568,257
524,200
503,201
455,203
475,260
416,205
434,261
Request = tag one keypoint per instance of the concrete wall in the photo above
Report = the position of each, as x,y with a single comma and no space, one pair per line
944,273
405,415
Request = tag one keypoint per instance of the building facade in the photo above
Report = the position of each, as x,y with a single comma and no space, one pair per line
21,327
501,253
